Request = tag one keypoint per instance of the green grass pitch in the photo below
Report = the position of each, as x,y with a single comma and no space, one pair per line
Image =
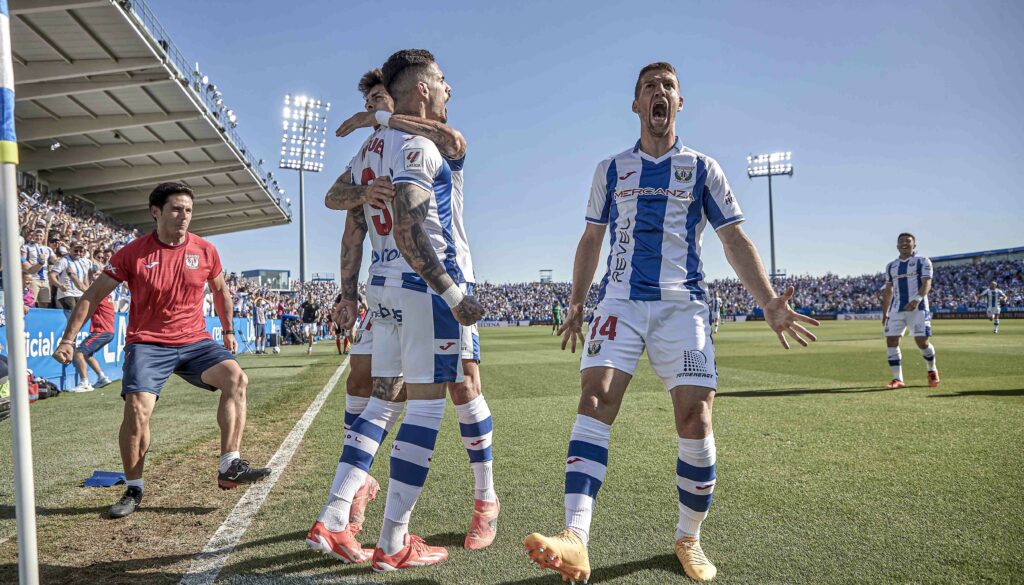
823,477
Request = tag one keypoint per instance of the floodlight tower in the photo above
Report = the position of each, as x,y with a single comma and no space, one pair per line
302,149
768,165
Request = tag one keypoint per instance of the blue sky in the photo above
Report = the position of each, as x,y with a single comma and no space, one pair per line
900,116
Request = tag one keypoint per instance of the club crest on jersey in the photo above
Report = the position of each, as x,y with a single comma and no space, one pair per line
594,348
414,159
191,261
683,174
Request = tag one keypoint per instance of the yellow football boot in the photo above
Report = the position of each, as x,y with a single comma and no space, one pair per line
564,553
695,563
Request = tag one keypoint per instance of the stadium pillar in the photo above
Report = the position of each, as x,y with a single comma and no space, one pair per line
21,445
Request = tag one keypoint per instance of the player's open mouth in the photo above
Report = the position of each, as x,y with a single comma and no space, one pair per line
659,112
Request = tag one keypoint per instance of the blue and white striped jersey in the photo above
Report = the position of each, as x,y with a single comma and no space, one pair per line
407,158
657,209
993,298
82,269
37,254
906,278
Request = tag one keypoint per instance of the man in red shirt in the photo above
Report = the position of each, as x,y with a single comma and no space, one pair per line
166,272
101,332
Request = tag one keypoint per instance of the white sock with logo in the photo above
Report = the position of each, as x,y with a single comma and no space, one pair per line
896,363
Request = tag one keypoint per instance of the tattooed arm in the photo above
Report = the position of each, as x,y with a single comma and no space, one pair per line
344,311
411,206
449,141
343,195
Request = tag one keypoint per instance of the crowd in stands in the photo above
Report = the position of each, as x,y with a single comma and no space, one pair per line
66,242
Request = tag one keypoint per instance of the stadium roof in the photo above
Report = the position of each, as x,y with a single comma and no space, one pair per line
1001,252
107,107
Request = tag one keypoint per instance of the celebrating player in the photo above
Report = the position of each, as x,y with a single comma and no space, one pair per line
657,196
166,272
908,279
994,297
409,256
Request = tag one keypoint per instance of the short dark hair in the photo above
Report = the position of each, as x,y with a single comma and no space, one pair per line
912,236
404,65
370,80
658,66
164,190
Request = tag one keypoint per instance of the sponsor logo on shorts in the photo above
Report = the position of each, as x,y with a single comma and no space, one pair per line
683,174
695,365
594,348
191,261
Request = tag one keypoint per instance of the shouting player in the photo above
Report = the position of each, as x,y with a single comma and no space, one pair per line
166,272
657,197
908,279
994,298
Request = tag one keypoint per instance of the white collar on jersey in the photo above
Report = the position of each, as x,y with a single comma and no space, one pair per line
676,148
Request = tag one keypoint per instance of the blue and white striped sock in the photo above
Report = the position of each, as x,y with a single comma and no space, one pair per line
362,440
896,362
354,406
585,468
476,428
411,455
695,481
928,353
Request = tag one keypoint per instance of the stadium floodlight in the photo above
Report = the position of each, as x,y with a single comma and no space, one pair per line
303,143
769,165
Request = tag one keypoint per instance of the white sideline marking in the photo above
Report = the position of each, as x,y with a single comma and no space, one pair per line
208,563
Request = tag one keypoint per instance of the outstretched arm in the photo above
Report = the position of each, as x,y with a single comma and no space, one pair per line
746,262
411,206
82,312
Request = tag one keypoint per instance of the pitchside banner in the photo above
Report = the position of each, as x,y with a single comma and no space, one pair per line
43,328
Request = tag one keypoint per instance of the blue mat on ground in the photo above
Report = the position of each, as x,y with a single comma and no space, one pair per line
104,479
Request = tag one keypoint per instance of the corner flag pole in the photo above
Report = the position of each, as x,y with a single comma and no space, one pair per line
24,491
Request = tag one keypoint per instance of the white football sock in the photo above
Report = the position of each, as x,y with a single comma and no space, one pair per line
585,468
476,429
928,353
226,459
896,362
695,481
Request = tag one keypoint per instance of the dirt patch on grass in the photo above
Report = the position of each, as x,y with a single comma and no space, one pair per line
181,509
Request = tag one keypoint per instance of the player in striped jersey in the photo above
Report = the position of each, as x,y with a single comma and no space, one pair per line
908,279
994,298
656,198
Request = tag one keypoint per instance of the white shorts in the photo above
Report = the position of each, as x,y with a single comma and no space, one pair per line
676,334
309,328
919,323
991,313
415,335
471,343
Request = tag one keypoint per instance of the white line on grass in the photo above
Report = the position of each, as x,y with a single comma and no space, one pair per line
207,564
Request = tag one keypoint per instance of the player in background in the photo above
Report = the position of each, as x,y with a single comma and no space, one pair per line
308,312
556,317
259,321
101,332
994,298
716,310
657,197
908,280
166,272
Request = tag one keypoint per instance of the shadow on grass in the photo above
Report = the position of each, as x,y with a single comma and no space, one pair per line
664,563
1014,392
796,392
128,571
8,512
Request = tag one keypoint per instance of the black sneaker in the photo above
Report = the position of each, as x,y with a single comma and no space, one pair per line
240,473
129,502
